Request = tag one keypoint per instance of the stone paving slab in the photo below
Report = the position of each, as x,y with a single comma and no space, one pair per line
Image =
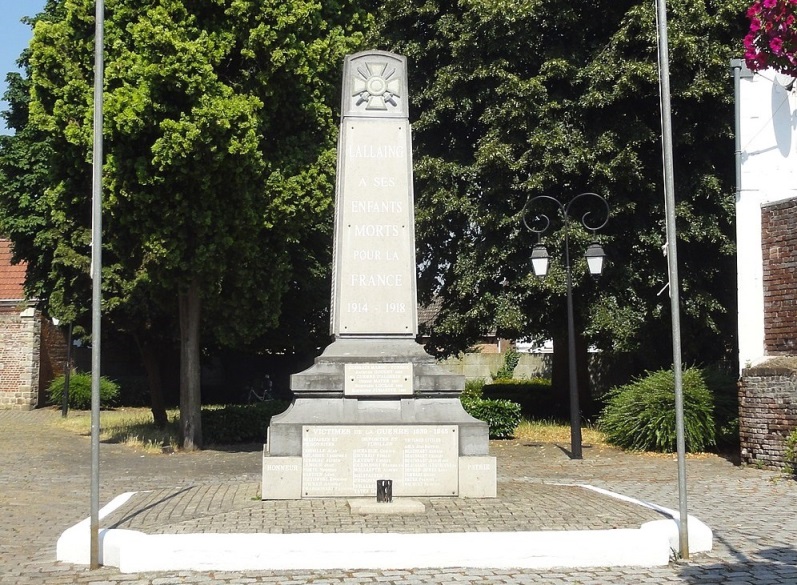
520,506
44,488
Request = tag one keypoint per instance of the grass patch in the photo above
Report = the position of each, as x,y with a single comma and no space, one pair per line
133,427
551,431
221,425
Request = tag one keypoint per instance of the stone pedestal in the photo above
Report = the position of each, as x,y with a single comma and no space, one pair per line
424,440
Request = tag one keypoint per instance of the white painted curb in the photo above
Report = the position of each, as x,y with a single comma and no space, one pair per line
249,552
700,536
74,544
132,551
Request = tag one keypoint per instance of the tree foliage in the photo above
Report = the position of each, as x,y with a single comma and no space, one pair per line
219,160
528,97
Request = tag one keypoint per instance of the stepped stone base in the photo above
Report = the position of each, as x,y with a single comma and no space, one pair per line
332,443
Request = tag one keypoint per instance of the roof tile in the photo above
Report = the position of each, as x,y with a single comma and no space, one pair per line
12,276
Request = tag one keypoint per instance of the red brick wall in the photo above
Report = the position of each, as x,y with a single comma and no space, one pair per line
779,247
19,358
53,356
767,414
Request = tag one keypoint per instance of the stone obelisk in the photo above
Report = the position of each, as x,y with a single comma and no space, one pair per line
375,405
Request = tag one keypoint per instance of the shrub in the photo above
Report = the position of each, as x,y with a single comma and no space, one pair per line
239,423
641,415
503,416
725,391
790,453
473,388
80,391
507,370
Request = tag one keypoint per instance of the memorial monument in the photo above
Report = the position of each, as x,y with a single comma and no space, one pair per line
375,406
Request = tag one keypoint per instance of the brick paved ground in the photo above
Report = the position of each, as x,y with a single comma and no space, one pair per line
44,487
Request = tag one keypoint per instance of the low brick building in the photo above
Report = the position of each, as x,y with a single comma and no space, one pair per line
766,253
768,389
32,349
20,330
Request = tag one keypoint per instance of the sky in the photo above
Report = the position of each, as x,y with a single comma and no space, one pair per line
14,36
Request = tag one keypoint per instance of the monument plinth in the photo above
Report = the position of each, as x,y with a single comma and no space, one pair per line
375,405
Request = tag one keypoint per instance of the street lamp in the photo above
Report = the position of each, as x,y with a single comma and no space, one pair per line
539,262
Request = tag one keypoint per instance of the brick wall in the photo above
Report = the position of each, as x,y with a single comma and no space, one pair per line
19,358
767,413
52,359
779,247
768,392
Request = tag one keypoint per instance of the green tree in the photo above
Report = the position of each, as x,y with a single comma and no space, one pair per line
520,98
218,176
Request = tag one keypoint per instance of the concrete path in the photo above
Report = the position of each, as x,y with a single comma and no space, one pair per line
44,488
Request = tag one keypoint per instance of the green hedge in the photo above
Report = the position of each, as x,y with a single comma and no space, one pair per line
239,423
503,416
80,391
640,416
535,396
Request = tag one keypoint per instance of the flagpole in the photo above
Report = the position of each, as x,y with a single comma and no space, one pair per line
672,262
96,281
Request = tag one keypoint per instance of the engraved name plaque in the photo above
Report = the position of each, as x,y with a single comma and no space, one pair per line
422,460
377,379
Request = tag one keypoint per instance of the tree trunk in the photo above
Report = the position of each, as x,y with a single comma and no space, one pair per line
152,366
190,398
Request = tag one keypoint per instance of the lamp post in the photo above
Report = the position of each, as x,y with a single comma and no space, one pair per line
539,262
67,367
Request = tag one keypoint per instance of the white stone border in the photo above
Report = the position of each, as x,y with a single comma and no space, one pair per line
132,551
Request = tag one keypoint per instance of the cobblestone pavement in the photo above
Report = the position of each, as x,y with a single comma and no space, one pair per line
45,479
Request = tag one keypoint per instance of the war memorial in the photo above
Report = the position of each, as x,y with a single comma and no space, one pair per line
375,407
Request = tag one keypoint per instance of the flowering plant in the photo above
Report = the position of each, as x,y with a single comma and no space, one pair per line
772,40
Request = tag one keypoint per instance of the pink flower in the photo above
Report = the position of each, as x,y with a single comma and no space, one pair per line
772,38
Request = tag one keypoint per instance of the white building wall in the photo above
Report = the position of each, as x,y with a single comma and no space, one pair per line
768,133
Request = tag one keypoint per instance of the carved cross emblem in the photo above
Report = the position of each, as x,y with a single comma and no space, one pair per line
376,86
